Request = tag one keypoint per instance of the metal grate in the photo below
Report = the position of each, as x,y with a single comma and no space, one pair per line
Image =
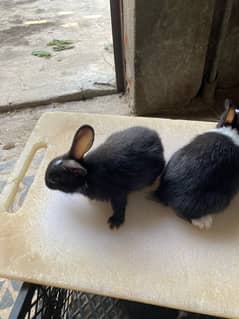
39,302
95,307
48,302
36,302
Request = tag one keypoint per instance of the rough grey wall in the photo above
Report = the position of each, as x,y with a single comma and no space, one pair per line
228,75
171,40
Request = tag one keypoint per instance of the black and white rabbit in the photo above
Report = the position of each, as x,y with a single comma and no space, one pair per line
127,161
202,177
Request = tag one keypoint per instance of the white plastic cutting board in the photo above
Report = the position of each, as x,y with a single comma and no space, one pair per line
155,257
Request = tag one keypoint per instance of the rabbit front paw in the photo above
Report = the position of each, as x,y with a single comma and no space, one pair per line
115,221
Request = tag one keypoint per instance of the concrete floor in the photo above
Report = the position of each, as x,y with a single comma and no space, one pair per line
27,25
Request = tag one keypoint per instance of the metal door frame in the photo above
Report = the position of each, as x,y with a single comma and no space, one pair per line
116,8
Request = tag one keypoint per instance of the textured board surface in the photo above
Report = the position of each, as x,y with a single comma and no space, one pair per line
63,240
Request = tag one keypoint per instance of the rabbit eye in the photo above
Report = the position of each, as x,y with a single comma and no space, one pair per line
75,171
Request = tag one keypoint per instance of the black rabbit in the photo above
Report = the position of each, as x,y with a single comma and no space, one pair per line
201,178
127,161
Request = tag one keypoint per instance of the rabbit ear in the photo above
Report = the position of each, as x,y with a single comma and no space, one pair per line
82,142
230,115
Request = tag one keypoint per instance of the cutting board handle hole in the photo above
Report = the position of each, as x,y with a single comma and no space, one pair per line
27,179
